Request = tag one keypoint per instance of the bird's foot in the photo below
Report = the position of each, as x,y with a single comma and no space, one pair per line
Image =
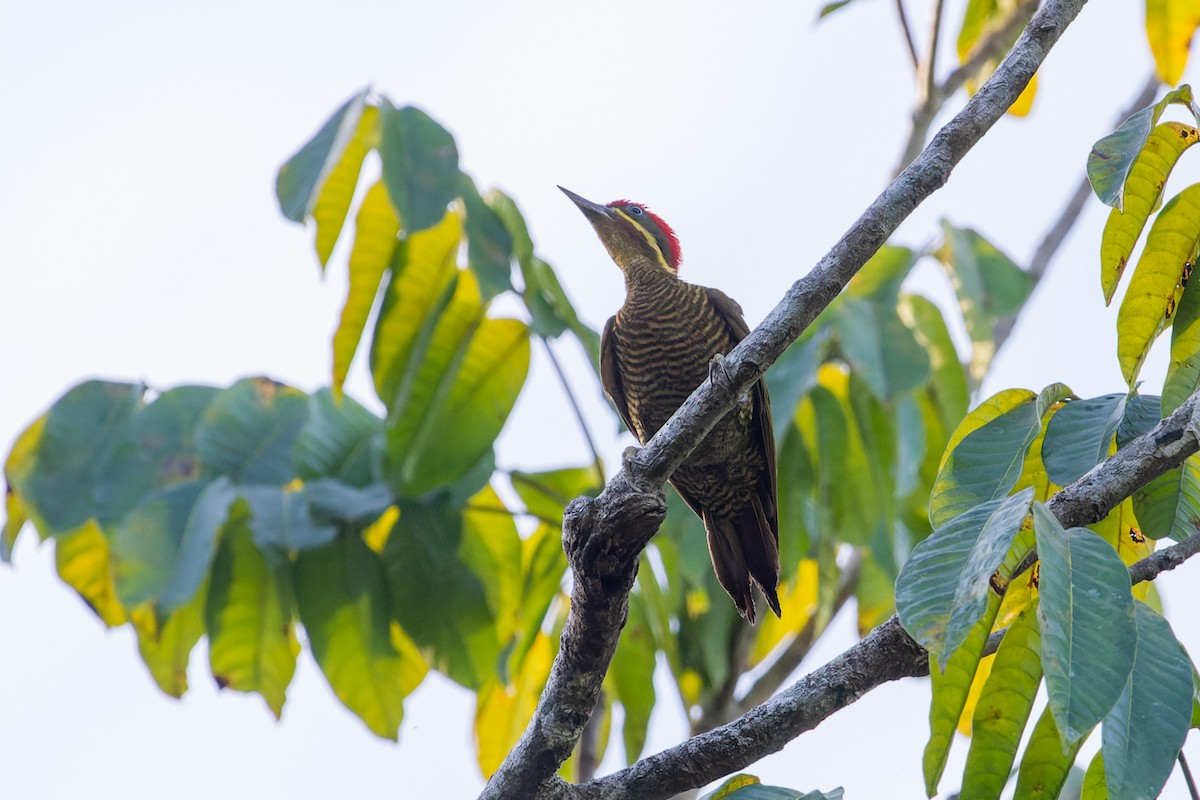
632,469
719,374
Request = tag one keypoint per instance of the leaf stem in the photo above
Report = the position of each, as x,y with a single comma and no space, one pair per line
908,37
1187,776
587,434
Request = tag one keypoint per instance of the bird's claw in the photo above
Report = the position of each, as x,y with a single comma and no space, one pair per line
630,466
717,371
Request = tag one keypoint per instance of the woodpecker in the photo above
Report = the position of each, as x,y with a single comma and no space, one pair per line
653,354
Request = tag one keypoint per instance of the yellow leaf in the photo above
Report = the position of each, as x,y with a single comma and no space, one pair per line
502,711
1143,193
424,270
1170,25
375,244
1024,101
82,560
1155,288
376,534
798,600
981,675
166,644
329,211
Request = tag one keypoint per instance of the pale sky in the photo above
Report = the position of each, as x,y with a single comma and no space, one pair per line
142,241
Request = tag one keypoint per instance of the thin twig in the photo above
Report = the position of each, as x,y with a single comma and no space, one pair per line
587,435
1187,776
908,37
1057,232
927,73
988,48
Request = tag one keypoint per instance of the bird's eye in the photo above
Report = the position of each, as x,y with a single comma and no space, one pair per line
635,210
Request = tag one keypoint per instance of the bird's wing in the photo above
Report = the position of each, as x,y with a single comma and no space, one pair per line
610,376
731,312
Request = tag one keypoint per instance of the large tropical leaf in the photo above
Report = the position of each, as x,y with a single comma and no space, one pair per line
420,166
345,605
1087,618
1112,157
1143,193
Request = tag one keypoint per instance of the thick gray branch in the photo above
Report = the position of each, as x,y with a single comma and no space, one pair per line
604,536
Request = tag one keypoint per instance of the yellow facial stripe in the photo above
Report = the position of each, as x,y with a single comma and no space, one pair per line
662,259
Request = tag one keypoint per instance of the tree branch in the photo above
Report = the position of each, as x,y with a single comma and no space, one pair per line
888,652
936,95
908,37
603,536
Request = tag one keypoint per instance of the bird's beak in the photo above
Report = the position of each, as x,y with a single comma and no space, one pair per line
595,213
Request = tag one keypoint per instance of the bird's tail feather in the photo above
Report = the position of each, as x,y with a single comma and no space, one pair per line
743,547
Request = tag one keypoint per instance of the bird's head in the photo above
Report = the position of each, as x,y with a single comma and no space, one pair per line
632,233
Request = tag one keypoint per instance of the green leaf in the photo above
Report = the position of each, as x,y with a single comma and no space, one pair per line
489,244
162,548
973,587
748,787
880,278
1154,290
375,246
62,459
337,440
880,347
543,565
248,430
301,178
456,400
506,209
1145,730
342,594
986,454
950,689
1169,505
830,8
1002,710
793,374
281,518
1141,414
421,285
252,644
456,581
948,378
165,645
988,284
1046,763
1143,193
331,500
1170,25
420,166
157,450
1183,370
943,586
1112,157
1079,436
632,677
546,494
1087,618
1094,785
